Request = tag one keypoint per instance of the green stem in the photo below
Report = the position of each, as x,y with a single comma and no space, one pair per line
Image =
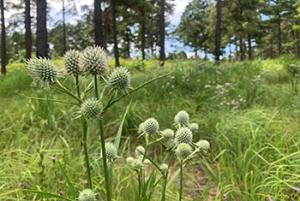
103,149
86,155
164,187
181,180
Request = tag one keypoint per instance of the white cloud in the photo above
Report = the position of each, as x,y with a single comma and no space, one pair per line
178,10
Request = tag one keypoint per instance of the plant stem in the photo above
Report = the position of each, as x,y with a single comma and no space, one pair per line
86,155
84,139
103,149
164,187
181,180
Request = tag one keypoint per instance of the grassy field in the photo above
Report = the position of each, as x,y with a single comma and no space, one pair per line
248,111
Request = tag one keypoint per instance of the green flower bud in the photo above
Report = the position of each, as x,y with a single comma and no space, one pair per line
71,60
203,144
194,127
111,152
182,118
141,128
164,167
87,195
130,160
91,108
183,135
140,151
119,79
170,144
93,61
151,126
167,133
137,164
147,162
42,70
183,151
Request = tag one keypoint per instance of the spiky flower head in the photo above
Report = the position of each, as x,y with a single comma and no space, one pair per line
91,108
135,163
119,79
93,60
141,128
194,127
203,144
42,69
167,133
183,151
130,160
183,135
71,60
87,195
182,118
164,167
170,144
111,152
151,126
139,151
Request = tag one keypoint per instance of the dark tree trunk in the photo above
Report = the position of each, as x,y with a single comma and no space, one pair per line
162,54
297,45
249,47
64,26
205,52
196,52
242,52
127,40
42,47
98,22
279,37
218,30
143,30
28,34
3,39
116,49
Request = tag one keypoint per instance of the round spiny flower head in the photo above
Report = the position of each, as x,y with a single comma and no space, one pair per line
167,133
93,60
151,126
141,128
130,160
183,151
203,144
140,151
147,162
194,127
170,144
91,108
164,167
182,118
87,195
137,164
119,79
71,60
42,70
183,135
111,152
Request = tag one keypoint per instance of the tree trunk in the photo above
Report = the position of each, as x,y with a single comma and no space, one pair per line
98,23
64,26
3,39
116,49
162,54
279,37
196,52
28,34
242,53
218,31
143,30
297,45
127,39
249,47
205,52
42,47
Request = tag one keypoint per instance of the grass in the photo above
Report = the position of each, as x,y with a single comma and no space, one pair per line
247,110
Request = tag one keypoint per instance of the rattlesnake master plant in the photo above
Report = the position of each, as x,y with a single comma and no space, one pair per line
167,133
150,126
182,118
139,151
71,60
183,151
119,79
42,70
93,61
183,135
91,108
194,127
111,152
203,144
87,195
